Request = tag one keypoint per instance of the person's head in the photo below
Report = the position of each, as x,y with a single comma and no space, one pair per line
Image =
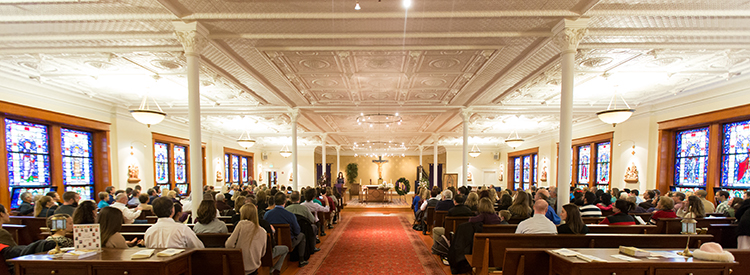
110,189
45,202
434,192
463,190
85,213
53,195
459,199
472,200
589,198
665,203
540,207
735,203
606,199
572,217
541,194
279,199
128,191
206,212
163,207
150,192
505,215
623,206
172,194
294,197
447,195
634,192
4,216
747,195
341,175
695,205
649,195
137,187
485,206
177,211
238,202
110,222
103,196
701,194
249,212
121,198
615,192
522,198
425,194
678,197
70,198
219,197
722,196
143,198
26,197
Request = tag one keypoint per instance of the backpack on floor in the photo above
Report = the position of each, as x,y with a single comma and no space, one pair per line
441,246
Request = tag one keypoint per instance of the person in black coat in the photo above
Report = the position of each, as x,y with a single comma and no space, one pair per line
460,209
26,208
306,228
743,227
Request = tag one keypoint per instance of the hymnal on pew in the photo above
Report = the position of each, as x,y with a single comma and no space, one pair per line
169,252
79,254
143,254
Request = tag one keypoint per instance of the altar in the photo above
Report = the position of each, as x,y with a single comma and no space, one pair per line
374,194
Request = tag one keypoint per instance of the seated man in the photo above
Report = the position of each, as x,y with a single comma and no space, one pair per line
166,233
70,202
538,224
447,202
221,203
128,214
279,215
314,208
543,194
26,209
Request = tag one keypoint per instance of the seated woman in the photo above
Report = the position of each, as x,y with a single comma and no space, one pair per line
505,202
664,209
694,205
621,217
520,208
472,201
606,202
487,213
250,237
206,220
45,207
110,224
573,222
239,201
85,213
59,236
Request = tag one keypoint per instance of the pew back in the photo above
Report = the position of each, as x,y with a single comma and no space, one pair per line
743,258
284,235
673,225
429,218
220,261
439,218
33,225
451,223
593,229
526,261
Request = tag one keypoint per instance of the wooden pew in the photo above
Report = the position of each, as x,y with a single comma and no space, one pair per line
429,218
33,225
724,234
439,218
19,233
525,261
743,258
220,261
451,223
144,214
144,227
593,229
214,240
268,260
225,219
284,235
673,225
593,220
491,247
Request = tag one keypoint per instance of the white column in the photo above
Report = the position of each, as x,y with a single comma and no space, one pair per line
192,36
435,161
338,160
465,114
570,33
323,144
295,175
420,155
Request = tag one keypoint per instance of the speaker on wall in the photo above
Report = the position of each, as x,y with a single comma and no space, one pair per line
496,156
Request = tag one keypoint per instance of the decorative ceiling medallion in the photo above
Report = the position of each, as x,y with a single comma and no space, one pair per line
37,67
379,63
451,52
379,96
306,53
168,65
596,62
728,64
444,63
332,96
325,82
433,82
315,63
663,62
426,95
379,83
101,65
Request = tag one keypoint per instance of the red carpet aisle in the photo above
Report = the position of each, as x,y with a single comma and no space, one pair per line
370,244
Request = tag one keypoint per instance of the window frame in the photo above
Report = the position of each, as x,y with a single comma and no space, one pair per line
532,171
592,141
229,178
171,143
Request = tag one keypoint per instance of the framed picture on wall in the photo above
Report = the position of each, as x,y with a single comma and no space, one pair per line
450,179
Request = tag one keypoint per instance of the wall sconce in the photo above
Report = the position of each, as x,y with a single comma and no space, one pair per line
633,147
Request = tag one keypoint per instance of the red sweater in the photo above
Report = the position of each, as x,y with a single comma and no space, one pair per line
619,219
663,214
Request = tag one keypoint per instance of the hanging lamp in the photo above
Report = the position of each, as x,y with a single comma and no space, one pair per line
474,151
614,115
147,116
285,152
514,142
246,142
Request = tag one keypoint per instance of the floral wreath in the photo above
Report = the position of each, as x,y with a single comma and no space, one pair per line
406,189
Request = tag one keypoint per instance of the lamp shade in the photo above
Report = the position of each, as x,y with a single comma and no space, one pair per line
246,143
514,142
285,153
614,116
475,152
148,117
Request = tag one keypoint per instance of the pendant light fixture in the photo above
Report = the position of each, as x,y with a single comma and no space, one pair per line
357,7
614,115
514,142
285,152
474,151
246,142
147,116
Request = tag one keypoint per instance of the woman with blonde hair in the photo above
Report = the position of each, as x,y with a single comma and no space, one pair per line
238,203
520,208
44,207
472,201
250,237
493,195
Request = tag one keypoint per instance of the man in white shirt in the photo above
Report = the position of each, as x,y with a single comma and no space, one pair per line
538,224
129,214
314,208
166,233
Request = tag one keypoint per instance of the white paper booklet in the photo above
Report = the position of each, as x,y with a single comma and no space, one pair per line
169,252
142,254
87,236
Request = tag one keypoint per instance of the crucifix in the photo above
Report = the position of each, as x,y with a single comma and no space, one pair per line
380,162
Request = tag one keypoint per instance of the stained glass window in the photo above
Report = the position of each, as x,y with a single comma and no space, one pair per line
602,162
736,155
691,162
78,167
161,157
517,170
584,158
226,168
28,154
86,192
180,164
535,170
183,188
244,169
526,167
235,169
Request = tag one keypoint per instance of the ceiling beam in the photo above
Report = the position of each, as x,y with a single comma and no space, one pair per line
672,46
126,49
233,80
383,35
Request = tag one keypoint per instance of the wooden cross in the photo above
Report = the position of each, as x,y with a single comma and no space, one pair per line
380,162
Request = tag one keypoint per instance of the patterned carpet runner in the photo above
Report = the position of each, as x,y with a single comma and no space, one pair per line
378,245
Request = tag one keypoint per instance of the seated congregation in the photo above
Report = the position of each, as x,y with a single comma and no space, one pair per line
265,224
472,230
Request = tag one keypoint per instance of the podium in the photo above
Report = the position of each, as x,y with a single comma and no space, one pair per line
373,194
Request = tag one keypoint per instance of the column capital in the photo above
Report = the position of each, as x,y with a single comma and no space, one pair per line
338,148
569,33
466,113
294,114
192,36
421,148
